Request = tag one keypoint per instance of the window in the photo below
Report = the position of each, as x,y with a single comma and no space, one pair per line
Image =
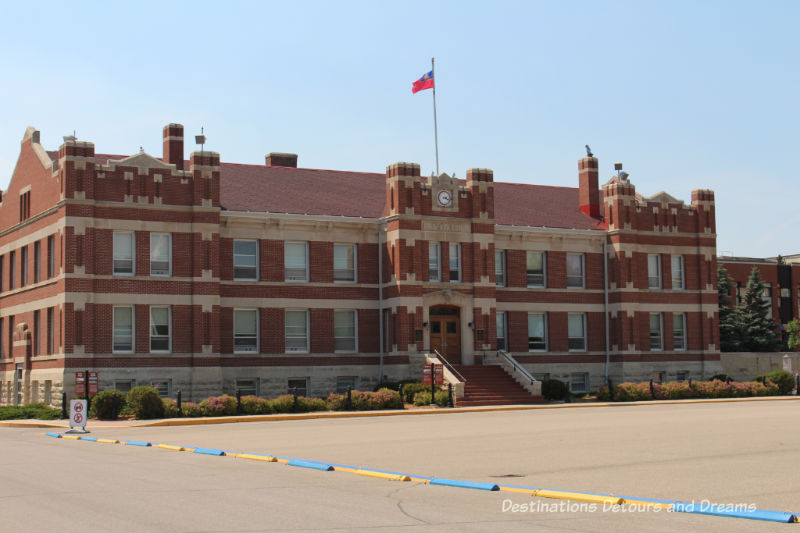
682,375
37,262
575,271
653,271
344,262
50,330
163,386
502,340
11,336
245,331
2,347
343,383
536,269
123,329
387,336
500,268
12,265
296,331
455,262
247,386
656,337
24,206
37,331
344,331
537,332
2,271
677,272
679,331
658,376
23,267
785,293
124,385
298,386
766,297
160,329
433,262
51,256
123,254
245,260
576,331
579,382
296,261
160,254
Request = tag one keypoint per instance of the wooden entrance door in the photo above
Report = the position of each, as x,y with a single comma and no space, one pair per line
446,333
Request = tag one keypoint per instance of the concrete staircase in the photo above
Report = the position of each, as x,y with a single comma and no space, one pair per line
491,385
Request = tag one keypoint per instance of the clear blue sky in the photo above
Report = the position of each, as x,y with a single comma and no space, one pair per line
686,94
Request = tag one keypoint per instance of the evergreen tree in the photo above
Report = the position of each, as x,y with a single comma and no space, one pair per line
756,330
793,334
729,337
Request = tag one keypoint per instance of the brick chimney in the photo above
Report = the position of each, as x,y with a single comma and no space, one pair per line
173,145
278,159
589,195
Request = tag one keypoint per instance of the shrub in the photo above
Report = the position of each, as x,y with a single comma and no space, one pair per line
38,411
282,404
253,405
632,392
384,398
224,405
170,408
553,389
145,402
107,404
424,398
721,377
411,389
191,410
782,378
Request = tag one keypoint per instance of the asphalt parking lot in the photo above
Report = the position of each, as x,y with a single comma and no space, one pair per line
728,453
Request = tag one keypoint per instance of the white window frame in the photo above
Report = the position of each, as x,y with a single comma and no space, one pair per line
654,279
501,319
236,335
292,272
169,332
130,382
543,284
582,275
544,340
167,381
256,386
682,322
582,337
454,247
677,261
585,377
305,386
161,273
500,268
660,334
133,329
235,255
132,235
434,260
354,349
286,336
354,250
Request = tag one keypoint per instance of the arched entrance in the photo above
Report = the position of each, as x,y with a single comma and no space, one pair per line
445,332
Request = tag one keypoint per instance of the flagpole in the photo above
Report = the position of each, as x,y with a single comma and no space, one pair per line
435,125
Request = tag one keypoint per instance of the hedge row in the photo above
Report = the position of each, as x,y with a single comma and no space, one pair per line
38,411
635,392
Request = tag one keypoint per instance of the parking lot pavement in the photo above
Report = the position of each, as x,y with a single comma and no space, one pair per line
726,453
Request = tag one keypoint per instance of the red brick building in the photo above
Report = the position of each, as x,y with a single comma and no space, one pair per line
208,277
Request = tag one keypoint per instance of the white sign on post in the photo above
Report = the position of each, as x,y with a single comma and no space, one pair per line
78,413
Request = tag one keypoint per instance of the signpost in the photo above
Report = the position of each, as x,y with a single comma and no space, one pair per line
80,383
438,374
426,374
78,413
92,383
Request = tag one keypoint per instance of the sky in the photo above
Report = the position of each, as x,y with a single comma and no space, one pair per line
686,95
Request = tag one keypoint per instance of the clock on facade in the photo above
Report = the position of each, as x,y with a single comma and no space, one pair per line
444,198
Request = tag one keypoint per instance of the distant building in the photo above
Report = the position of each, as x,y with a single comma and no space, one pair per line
211,277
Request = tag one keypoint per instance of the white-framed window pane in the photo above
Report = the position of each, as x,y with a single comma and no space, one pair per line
160,253
500,268
344,331
123,329
455,262
123,253
679,331
343,383
159,329
247,386
575,271
677,271
502,343
298,386
124,385
537,332
296,331
535,269
344,262
654,271
433,262
245,260
295,261
656,337
579,382
163,386
576,326
245,330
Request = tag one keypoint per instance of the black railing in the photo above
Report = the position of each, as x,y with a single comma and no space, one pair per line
452,369
518,367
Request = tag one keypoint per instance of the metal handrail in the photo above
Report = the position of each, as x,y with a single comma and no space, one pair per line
451,367
521,369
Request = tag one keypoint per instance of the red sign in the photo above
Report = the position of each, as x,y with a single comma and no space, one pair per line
80,383
438,375
92,383
426,375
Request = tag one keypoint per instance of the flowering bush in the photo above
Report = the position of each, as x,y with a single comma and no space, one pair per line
282,404
191,410
366,401
424,398
219,406
170,408
638,392
253,405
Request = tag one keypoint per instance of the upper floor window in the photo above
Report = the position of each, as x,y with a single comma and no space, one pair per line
124,253
344,262
25,206
245,330
455,262
766,297
296,331
2,271
502,341
37,262
576,332
654,271
51,256
677,271
160,329
23,267
575,271
12,265
344,331
679,331
536,269
500,268
296,261
434,273
537,332
245,260
160,254
656,332
123,329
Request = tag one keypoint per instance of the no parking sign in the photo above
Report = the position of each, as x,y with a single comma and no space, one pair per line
78,413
